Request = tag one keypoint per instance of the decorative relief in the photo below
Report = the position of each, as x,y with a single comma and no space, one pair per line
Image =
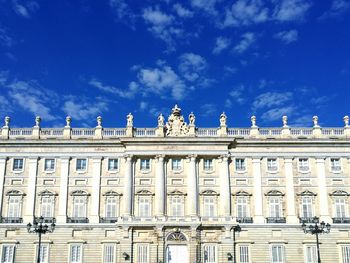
176,125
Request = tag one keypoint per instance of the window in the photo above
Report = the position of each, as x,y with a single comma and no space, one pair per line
277,254
113,164
177,206
176,164
240,164
14,207
335,164
340,207
208,165
242,206
49,165
111,207
8,254
142,253
310,254
18,165
304,165
75,253
81,165
145,165
144,206
243,254
210,254
44,253
209,206
109,253
272,165
47,206
275,207
79,206
306,207
345,252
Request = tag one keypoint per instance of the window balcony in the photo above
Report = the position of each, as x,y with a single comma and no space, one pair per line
304,168
11,220
108,219
341,220
336,168
46,220
275,220
78,220
244,220
308,220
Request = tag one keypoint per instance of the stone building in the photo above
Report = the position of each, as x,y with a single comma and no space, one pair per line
175,193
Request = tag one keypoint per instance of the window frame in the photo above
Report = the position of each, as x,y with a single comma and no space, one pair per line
20,205
86,165
213,203
52,210
13,247
245,165
312,200
116,203
145,245
331,166
81,252
246,203
85,203
47,252
306,253
54,165
301,164
213,245
280,206
239,253
283,256
267,165
147,198
345,206
13,165
180,202
113,170
210,168
341,248
179,168
148,167
114,249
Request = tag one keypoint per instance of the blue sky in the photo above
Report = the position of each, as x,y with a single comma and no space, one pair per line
86,58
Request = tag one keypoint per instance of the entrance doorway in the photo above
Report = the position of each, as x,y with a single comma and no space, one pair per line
176,254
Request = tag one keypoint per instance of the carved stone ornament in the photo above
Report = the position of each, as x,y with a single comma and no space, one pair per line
160,120
176,125
129,120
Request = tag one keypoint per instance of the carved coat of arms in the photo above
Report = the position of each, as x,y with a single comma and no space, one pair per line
176,125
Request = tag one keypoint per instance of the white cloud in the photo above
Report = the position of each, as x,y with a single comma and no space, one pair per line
25,8
5,39
191,66
230,69
182,11
271,99
143,105
247,40
291,10
237,94
208,109
277,113
337,8
5,106
221,44
3,77
288,36
206,5
128,93
121,9
246,12
301,121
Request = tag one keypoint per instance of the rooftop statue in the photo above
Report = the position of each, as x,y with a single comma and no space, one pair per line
176,125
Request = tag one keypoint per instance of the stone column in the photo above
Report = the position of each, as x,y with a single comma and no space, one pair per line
160,190
31,189
63,196
95,194
225,204
290,194
128,187
322,190
192,188
258,201
2,180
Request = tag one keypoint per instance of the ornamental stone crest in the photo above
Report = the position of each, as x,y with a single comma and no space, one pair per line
176,125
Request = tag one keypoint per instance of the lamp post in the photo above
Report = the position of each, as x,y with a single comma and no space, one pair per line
39,227
317,229
236,228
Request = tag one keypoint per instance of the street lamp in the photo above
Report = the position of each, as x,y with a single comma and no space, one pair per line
40,228
317,229
236,228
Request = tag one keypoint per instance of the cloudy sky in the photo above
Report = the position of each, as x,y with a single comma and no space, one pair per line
86,58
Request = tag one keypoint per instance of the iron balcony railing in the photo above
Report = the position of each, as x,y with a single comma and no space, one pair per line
308,219
11,220
278,220
244,220
46,220
108,219
341,220
78,220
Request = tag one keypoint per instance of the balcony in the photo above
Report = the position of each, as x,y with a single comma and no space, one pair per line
341,220
275,220
244,220
108,219
78,220
308,220
11,220
46,220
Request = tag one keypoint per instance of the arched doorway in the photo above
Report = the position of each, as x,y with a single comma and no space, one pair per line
176,249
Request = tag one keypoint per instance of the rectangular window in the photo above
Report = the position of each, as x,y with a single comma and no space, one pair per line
109,253
47,206
272,164
240,164
277,254
177,208
111,207
340,207
113,164
275,207
208,165
242,206
243,254
142,253
144,207
310,254
306,206
18,164
345,251
79,206
145,164
75,254
8,254
44,253
81,164
176,164
49,165
304,165
210,254
209,206
14,207
335,164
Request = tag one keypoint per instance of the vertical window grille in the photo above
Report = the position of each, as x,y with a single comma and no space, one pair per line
277,254
209,206
76,254
177,206
144,207
306,203
242,205
209,254
243,254
47,206
311,254
79,206
109,253
345,250
275,207
8,254
111,207
14,207
142,253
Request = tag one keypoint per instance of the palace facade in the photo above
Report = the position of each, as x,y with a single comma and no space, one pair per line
175,193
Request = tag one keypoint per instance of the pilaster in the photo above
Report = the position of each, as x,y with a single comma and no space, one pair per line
128,187
63,196
322,191
160,191
290,194
225,196
192,188
2,180
95,194
31,189
258,201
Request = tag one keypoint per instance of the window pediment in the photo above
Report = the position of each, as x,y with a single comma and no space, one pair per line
15,193
209,192
144,192
176,192
111,193
242,193
274,193
80,193
47,192
339,193
307,193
